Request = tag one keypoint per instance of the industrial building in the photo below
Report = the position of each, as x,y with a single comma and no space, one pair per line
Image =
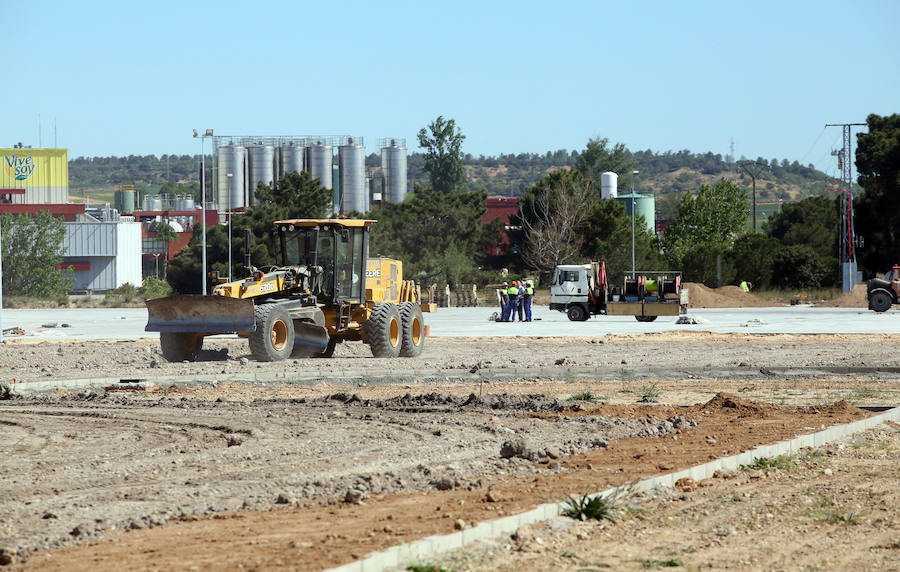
102,249
103,255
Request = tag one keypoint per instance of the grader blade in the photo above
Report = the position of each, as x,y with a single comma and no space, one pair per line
201,314
309,339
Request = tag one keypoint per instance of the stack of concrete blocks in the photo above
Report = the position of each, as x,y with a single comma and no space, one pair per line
440,295
465,295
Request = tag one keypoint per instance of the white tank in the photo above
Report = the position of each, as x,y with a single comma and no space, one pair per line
608,185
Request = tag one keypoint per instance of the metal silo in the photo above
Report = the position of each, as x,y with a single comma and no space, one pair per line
260,168
644,205
352,178
393,168
291,158
231,191
319,160
609,182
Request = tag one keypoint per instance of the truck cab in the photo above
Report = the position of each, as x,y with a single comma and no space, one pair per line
576,290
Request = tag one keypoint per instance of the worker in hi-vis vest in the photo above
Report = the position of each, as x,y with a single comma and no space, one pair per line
529,294
513,292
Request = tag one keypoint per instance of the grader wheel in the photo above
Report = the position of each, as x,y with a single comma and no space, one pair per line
413,329
384,330
273,339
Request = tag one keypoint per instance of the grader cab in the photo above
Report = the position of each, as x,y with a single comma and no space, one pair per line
319,297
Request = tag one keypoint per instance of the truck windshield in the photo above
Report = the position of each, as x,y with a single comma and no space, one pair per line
568,276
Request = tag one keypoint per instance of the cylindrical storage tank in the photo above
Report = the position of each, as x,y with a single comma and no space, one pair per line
352,178
231,191
292,158
319,163
153,203
178,205
609,182
393,167
644,206
260,168
127,202
188,204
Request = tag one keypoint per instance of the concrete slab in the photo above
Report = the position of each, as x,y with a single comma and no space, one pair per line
128,323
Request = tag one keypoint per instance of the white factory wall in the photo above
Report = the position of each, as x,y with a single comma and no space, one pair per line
113,250
128,258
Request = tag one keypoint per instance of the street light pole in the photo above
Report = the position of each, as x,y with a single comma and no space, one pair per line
207,133
230,215
633,173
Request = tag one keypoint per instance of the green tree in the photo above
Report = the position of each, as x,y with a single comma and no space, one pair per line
878,208
598,157
813,224
431,232
442,142
32,251
552,215
715,216
296,195
800,266
607,236
753,257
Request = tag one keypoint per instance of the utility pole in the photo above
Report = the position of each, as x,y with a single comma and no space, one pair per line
753,169
847,253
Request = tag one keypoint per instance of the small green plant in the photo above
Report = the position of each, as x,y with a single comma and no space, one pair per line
125,293
154,288
588,396
425,568
747,388
825,511
588,507
651,563
762,463
649,393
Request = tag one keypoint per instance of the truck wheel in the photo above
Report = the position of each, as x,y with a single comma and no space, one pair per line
180,346
273,339
384,330
576,313
880,301
413,329
645,318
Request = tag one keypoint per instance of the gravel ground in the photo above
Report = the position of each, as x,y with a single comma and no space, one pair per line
81,468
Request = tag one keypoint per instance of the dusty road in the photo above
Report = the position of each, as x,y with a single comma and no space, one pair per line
280,468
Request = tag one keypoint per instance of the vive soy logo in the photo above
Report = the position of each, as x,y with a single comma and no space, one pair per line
19,167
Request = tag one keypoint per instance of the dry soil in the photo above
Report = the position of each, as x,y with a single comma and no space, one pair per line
226,475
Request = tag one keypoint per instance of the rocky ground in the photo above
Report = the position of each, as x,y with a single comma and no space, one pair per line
232,475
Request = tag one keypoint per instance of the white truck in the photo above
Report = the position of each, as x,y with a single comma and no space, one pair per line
582,290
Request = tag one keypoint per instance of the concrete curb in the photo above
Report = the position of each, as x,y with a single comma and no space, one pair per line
418,550
384,376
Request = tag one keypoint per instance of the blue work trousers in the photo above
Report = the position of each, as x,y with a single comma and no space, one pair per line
511,310
528,307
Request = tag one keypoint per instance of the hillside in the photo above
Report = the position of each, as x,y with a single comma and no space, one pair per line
665,174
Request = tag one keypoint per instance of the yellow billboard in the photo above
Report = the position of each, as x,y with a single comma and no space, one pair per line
42,173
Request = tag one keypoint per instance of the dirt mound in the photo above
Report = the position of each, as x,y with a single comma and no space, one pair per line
855,298
746,408
842,407
724,297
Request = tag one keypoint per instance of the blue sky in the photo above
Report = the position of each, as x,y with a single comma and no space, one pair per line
122,78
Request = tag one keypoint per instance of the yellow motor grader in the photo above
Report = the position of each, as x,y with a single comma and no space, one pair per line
326,292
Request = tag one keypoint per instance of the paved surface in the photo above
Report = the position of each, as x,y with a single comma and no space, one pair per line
128,323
